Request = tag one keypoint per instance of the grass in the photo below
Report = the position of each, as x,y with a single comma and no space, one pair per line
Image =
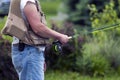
58,75
2,23
50,7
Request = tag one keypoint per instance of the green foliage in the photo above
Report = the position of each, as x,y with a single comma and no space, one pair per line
107,17
108,38
100,58
111,50
101,53
96,62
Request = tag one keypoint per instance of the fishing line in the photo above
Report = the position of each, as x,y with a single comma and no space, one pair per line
99,29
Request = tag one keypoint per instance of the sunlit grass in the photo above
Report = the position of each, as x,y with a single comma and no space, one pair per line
50,7
58,75
2,23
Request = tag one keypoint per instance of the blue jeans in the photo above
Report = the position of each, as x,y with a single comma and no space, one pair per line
29,63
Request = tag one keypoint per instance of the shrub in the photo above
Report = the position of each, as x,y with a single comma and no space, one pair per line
110,49
101,54
108,38
96,62
7,71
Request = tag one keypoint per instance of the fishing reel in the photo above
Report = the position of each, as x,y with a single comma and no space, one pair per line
57,47
54,48
61,49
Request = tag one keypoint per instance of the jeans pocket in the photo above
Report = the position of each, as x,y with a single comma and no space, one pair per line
17,62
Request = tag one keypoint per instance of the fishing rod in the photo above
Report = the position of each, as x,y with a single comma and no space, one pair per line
57,45
99,29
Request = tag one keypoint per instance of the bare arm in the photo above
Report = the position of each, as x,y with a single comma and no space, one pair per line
38,27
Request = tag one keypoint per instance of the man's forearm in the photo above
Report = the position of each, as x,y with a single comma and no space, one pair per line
44,31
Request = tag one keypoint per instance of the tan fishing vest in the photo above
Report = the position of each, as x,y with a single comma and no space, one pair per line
16,26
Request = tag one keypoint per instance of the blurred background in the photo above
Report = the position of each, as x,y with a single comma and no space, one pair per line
91,55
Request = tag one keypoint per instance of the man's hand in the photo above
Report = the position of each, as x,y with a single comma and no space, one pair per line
64,39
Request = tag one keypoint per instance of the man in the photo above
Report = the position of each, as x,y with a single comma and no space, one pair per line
29,63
